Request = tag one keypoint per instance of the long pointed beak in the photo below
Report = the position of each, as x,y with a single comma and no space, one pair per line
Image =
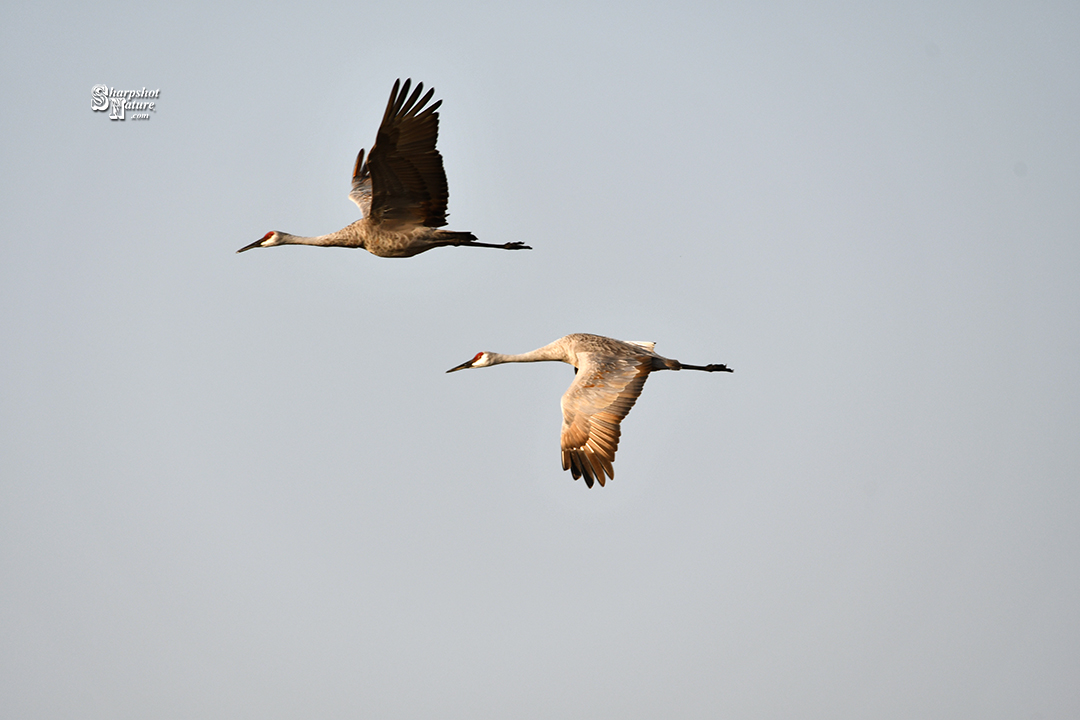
257,243
462,366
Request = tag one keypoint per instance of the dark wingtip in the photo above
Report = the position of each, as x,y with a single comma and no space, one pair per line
359,164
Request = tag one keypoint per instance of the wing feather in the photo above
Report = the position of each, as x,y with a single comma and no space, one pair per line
361,185
403,180
604,389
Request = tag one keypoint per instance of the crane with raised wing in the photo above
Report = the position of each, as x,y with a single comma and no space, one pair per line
401,189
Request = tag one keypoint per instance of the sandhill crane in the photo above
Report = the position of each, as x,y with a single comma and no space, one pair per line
401,189
609,375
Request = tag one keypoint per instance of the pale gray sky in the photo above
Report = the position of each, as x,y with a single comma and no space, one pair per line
243,485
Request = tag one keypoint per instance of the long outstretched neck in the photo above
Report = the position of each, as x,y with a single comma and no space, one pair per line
334,238
554,351
706,368
534,356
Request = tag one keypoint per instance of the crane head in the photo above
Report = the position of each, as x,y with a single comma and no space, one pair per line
482,359
268,240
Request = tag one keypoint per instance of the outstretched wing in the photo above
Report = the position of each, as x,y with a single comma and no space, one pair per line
604,389
403,179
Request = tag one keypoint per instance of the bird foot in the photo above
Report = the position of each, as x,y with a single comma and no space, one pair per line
516,246
718,368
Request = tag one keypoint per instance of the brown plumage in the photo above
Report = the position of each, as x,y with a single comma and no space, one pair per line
609,375
401,189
